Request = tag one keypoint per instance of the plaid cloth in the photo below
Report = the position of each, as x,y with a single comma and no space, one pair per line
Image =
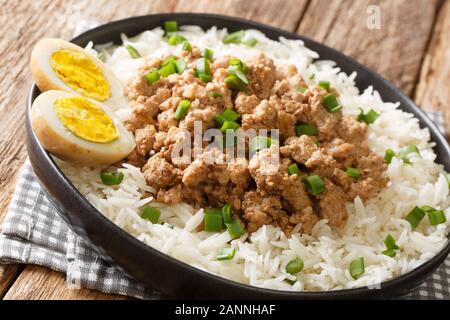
33,233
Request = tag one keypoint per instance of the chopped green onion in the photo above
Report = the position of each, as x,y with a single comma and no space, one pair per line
389,252
202,67
180,65
111,178
312,77
369,117
447,176
406,151
101,56
175,39
415,216
427,208
213,220
204,77
235,70
182,110
230,115
216,95
293,169
152,77
249,41
436,217
226,254
314,184
186,46
294,266
324,85
331,103
226,213
234,37
170,26
220,119
388,155
169,59
229,125
168,69
354,173
235,83
133,52
238,63
208,54
151,214
259,143
306,129
235,229
302,89
357,268
389,242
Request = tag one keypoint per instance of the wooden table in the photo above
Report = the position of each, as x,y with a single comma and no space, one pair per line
411,48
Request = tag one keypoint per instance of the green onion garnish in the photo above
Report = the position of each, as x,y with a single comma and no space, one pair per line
236,71
219,119
388,155
324,85
180,65
230,115
354,173
226,254
111,178
216,95
389,242
234,37
357,268
249,41
205,77
208,54
235,229
306,129
175,39
312,77
202,66
369,117
331,103
182,110
229,125
168,69
415,216
101,56
213,220
259,143
170,26
186,46
293,169
447,176
133,52
238,63
406,151
314,184
436,217
235,83
151,214
226,213
302,89
294,266
152,77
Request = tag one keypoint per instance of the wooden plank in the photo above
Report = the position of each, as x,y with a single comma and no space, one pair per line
432,91
283,14
395,50
60,19
37,282
8,275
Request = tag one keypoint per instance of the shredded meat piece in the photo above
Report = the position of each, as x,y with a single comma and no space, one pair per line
260,189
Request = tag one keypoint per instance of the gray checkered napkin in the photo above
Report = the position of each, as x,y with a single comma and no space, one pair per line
33,233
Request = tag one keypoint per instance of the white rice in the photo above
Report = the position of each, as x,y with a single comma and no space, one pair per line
261,258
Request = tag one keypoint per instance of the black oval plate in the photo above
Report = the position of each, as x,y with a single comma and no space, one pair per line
166,274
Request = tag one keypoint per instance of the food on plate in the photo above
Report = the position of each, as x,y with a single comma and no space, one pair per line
79,129
353,198
60,65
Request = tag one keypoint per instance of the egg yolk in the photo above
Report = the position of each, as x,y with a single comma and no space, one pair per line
85,120
80,73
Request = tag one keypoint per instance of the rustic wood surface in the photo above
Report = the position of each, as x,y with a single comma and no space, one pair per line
411,49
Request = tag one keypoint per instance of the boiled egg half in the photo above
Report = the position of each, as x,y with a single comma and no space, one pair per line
79,130
60,65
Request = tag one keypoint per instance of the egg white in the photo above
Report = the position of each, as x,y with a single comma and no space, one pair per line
47,79
61,142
